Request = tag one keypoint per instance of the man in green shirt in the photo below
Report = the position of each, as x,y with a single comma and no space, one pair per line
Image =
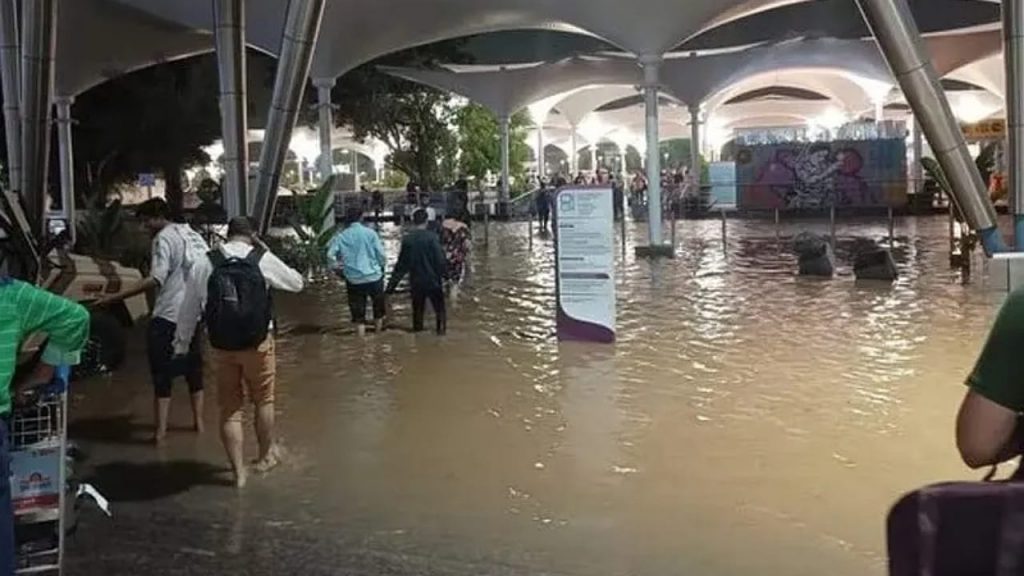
25,310
987,430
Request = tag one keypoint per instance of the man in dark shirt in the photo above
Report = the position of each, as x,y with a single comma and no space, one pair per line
422,258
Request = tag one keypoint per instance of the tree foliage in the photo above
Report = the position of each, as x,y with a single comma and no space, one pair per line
479,134
155,120
414,121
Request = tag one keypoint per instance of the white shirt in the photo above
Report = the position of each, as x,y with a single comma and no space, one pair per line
175,249
278,275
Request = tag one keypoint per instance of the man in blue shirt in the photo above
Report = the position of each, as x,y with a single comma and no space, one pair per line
357,254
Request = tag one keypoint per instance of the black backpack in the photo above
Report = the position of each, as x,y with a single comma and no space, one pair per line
238,302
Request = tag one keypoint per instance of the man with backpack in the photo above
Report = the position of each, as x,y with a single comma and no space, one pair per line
230,290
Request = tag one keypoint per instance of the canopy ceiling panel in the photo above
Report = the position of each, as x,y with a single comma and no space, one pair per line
99,40
840,88
357,31
737,113
577,105
505,92
988,73
837,19
694,79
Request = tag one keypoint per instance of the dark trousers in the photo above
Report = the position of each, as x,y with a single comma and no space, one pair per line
164,367
419,305
358,294
6,507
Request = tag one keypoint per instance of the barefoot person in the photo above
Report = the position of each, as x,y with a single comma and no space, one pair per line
457,242
230,289
357,254
24,310
176,247
422,258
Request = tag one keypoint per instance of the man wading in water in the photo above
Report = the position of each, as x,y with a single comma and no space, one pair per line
422,258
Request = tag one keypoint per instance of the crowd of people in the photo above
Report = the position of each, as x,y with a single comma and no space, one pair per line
679,189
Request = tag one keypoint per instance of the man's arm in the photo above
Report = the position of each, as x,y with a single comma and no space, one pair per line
986,427
440,261
401,268
160,269
334,261
279,275
986,433
192,306
378,251
63,321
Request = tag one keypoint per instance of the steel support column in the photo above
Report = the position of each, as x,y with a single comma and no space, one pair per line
39,30
917,153
301,29
325,126
651,65
900,42
540,150
10,52
505,128
229,30
65,146
1013,55
695,142
573,159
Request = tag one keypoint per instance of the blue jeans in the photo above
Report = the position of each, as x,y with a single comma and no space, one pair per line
6,508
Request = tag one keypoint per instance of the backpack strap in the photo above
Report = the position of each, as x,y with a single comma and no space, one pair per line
255,255
216,257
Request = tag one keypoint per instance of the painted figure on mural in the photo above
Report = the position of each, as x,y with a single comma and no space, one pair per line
815,169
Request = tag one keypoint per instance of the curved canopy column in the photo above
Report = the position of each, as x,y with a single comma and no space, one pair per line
9,75
650,65
1013,34
229,17
302,28
894,28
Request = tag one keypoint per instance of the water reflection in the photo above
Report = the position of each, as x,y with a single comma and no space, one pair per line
743,409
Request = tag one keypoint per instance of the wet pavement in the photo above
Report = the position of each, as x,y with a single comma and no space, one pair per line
747,422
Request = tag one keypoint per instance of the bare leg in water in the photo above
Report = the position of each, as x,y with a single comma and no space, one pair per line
232,436
265,436
161,412
197,412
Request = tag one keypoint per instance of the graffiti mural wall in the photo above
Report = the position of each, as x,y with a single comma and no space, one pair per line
816,175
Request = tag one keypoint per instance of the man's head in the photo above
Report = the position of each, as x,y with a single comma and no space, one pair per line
241,228
353,215
419,218
154,214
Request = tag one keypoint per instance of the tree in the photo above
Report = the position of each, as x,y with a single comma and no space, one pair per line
414,121
675,153
479,134
155,120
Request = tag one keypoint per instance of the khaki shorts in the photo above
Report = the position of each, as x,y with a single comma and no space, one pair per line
242,372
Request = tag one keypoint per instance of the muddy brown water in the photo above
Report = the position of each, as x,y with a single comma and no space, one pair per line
747,421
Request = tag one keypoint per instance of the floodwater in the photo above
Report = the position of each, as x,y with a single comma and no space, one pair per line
747,422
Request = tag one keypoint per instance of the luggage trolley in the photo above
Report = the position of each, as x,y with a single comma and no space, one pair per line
38,478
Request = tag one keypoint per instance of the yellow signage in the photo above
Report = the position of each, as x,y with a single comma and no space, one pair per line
986,130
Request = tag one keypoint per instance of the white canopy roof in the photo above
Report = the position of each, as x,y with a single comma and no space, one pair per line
505,92
99,40
357,31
